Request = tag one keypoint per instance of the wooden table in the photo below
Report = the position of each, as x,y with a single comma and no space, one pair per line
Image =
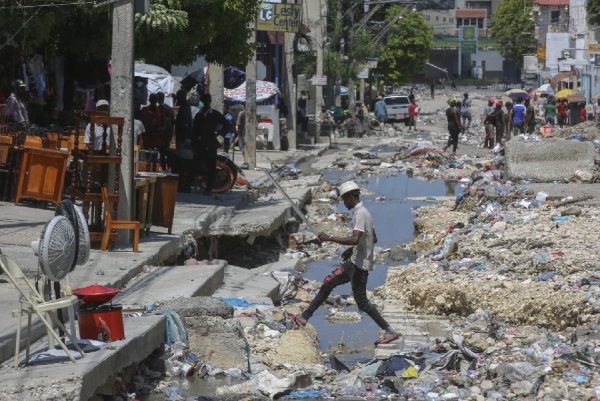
164,199
146,185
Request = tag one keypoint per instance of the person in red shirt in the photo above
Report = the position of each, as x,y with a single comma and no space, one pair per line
583,117
561,109
412,115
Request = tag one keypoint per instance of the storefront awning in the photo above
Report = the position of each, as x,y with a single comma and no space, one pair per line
559,77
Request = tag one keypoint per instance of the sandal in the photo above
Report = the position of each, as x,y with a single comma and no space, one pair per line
387,338
298,319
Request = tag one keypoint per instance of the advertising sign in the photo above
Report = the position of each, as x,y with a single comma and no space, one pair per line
594,48
319,80
277,17
468,39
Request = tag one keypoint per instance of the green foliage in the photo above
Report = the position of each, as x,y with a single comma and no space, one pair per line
407,47
592,8
161,19
174,32
513,29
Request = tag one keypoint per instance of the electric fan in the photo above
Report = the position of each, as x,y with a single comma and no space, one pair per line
56,248
67,209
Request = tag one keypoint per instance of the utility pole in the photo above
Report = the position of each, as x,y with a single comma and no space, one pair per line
250,130
291,89
215,86
122,101
320,39
342,45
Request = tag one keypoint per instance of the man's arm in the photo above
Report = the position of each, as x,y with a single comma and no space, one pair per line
374,236
352,240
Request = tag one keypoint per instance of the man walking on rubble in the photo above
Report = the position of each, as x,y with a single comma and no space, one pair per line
358,263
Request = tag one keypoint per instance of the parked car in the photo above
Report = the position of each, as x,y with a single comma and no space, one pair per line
397,108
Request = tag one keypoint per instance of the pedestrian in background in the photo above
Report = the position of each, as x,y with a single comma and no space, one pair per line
231,133
551,113
432,86
454,126
560,111
381,111
465,112
489,123
412,115
183,122
529,117
500,121
508,121
169,116
518,117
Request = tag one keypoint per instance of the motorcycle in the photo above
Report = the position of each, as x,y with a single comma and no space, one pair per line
180,161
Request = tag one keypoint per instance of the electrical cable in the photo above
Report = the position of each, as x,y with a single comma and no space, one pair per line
21,28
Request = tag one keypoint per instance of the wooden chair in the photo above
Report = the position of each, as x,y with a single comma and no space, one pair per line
112,225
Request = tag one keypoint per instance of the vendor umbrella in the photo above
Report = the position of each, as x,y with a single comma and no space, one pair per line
193,78
562,94
517,94
545,89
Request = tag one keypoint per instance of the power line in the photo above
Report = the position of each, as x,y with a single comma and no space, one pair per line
21,28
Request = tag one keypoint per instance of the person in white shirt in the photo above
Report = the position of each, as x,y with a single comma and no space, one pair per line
138,130
95,142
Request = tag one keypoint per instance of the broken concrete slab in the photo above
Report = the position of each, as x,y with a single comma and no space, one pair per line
79,380
164,283
199,306
256,284
261,218
218,342
549,160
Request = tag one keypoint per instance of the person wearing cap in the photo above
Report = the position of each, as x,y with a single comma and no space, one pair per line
96,141
465,112
358,263
16,104
499,121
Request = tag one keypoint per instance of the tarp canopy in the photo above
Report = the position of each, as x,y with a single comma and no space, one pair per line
559,77
264,91
159,80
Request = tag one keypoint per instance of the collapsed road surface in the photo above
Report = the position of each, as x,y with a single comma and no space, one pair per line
495,295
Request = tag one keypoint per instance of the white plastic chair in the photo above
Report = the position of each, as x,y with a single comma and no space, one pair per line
30,303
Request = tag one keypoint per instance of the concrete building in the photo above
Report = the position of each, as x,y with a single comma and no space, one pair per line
488,5
442,22
551,16
476,17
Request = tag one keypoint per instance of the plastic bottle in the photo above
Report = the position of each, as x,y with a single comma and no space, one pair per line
561,219
547,276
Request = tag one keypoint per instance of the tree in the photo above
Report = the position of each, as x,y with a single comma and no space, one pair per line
592,7
407,47
174,32
513,29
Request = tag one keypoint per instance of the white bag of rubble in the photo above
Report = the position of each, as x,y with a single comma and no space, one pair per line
584,176
289,282
270,385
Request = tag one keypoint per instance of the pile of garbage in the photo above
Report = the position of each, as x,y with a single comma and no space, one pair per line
588,130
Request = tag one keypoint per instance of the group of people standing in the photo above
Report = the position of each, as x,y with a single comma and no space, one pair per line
499,124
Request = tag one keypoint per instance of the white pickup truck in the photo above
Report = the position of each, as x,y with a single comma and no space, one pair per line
397,108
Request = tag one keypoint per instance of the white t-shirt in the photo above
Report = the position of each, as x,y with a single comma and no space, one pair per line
362,255
138,129
99,131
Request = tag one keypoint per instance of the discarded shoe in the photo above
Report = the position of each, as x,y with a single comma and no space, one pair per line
387,338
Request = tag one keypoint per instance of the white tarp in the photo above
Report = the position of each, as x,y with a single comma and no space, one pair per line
159,80
264,91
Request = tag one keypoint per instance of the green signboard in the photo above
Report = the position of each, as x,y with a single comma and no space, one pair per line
468,39
469,47
277,17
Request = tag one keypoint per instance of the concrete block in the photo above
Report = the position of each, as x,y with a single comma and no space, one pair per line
549,160
164,283
217,341
199,306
